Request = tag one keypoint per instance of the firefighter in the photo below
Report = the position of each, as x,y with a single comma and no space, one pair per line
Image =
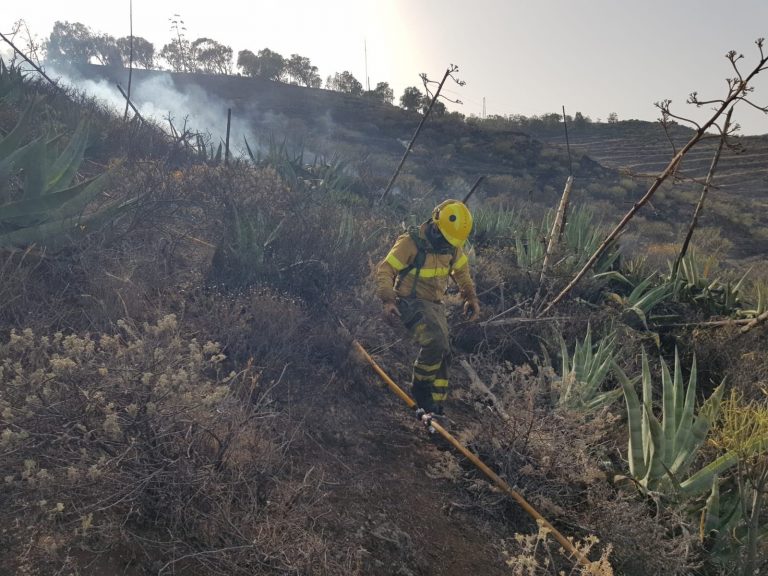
411,282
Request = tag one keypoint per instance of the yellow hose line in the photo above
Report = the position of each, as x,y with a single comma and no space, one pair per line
562,540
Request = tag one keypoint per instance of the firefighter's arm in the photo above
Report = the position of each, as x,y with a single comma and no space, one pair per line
464,280
400,256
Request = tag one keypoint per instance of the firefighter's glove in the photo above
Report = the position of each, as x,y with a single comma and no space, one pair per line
472,310
391,313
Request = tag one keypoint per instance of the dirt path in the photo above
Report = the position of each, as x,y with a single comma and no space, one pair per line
398,497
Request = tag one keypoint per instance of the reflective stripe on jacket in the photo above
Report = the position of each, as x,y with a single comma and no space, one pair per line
432,279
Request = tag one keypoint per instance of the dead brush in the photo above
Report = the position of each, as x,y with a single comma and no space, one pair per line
140,439
309,248
256,324
531,555
562,462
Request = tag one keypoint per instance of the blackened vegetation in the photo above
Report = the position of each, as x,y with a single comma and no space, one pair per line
176,395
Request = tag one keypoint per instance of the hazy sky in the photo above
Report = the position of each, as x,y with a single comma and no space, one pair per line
524,57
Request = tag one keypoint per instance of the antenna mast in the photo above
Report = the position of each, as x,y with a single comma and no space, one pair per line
367,79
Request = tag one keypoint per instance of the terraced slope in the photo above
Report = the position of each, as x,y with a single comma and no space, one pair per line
739,201
643,148
521,168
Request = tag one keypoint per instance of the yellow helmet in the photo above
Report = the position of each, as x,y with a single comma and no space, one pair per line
454,220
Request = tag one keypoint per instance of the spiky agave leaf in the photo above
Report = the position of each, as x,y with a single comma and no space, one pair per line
61,213
10,164
698,431
13,140
25,212
63,170
636,445
35,166
702,480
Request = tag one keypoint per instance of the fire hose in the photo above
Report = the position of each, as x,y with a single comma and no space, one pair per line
498,481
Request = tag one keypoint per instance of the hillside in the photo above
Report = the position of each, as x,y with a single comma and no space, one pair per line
612,163
739,199
180,392
370,137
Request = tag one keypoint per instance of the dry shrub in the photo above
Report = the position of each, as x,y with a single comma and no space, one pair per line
532,554
139,440
18,296
563,463
724,352
646,540
305,242
162,241
253,324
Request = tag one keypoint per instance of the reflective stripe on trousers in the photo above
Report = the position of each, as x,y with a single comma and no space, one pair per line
428,325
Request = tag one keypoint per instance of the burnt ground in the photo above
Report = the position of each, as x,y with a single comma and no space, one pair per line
403,499
393,499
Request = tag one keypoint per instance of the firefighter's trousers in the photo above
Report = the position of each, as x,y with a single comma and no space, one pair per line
428,325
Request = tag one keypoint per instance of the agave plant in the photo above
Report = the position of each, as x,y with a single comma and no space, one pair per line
494,225
11,80
205,150
760,302
288,165
326,174
733,519
720,519
246,253
693,283
643,298
530,246
583,374
581,238
661,452
49,205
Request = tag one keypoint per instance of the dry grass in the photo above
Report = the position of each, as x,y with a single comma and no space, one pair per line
563,463
141,440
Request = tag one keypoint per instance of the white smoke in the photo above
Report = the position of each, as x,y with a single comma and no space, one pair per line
188,107
157,98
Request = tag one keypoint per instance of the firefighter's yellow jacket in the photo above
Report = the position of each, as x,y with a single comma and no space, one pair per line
434,275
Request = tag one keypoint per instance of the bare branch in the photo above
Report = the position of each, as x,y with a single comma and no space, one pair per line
754,322
665,122
732,58
704,192
736,91
699,103
763,109
448,73
686,120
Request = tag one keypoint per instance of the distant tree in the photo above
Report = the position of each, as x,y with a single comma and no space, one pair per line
248,62
613,118
315,81
143,51
520,119
411,98
266,64
300,71
71,43
551,120
211,57
581,121
382,93
271,65
344,82
178,52
438,108
106,51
